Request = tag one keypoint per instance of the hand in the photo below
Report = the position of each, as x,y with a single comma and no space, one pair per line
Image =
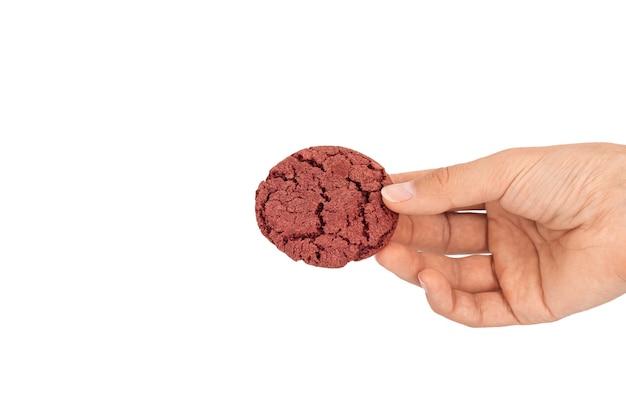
545,229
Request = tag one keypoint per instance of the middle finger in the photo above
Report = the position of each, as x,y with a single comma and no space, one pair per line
470,274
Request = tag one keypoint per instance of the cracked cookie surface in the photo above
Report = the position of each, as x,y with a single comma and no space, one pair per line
323,205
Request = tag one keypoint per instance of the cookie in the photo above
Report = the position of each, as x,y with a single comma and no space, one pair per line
322,205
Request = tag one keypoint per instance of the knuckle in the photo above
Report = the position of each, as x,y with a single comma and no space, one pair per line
446,232
441,176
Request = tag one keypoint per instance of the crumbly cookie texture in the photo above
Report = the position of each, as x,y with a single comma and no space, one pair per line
322,205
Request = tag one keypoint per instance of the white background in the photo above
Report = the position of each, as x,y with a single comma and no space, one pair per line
133,134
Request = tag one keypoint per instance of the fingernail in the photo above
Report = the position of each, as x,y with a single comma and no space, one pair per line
398,192
419,279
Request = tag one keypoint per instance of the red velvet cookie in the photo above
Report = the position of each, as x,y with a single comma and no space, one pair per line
323,205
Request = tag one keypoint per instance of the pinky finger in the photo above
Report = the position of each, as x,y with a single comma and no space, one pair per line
484,309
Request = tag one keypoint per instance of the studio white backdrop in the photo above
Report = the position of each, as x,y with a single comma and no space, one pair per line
133,278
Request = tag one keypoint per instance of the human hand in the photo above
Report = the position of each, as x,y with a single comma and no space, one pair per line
545,229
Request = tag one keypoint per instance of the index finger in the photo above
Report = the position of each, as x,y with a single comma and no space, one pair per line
448,233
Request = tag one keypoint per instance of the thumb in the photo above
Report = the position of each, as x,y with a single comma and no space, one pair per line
454,187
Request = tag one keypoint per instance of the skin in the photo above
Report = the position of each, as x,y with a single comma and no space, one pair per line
544,230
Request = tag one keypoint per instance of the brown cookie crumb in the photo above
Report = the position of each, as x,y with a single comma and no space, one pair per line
323,205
